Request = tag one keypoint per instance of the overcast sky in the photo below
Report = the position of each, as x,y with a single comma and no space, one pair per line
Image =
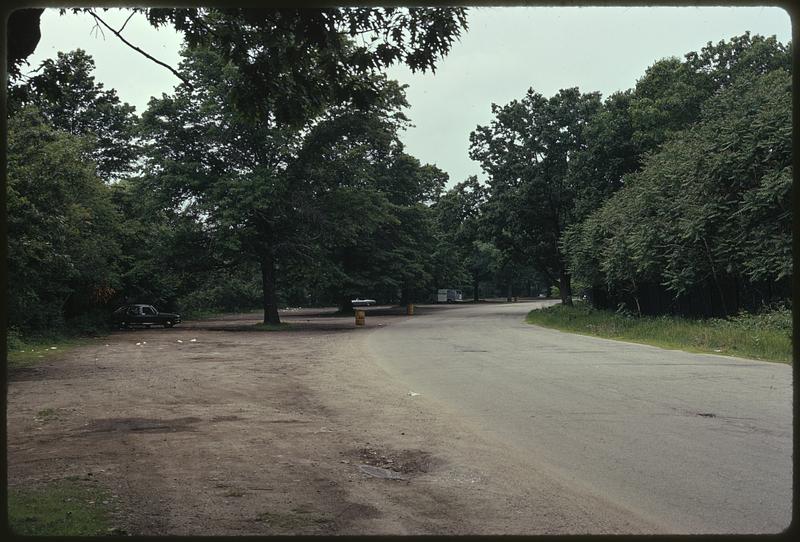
505,52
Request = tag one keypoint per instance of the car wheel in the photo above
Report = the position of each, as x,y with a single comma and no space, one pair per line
123,325
168,324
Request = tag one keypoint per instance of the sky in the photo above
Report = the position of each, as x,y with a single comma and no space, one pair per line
506,51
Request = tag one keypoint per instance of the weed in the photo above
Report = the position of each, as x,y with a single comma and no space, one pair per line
62,508
765,336
47,414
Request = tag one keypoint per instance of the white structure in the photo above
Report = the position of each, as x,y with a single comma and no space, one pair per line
448,296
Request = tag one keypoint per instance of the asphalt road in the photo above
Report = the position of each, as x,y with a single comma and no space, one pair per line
695,443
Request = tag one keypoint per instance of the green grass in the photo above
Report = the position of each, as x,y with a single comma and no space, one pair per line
32,351
62,508
764,336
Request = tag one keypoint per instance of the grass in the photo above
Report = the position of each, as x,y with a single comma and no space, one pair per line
32,351
61,508
48,415
766,336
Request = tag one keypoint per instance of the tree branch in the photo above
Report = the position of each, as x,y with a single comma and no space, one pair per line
126,21
137,49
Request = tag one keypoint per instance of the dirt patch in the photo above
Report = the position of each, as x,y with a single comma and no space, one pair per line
142,424
408,462
201,430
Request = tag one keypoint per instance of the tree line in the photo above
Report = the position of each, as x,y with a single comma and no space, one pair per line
671,197
274,175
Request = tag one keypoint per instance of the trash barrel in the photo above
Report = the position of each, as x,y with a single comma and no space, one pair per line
360,317
410,309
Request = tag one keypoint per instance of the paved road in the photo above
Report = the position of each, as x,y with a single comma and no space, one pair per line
695,443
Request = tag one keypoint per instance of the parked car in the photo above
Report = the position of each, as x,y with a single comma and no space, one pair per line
362,302
143,315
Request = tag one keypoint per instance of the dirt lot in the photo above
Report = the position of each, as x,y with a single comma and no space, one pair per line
211,428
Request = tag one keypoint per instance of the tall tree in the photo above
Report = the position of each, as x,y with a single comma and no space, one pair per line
373,222
709,211
63,254
462,256
527,151
295,62
66,94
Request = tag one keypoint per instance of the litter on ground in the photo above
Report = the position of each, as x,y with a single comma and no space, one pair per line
413,393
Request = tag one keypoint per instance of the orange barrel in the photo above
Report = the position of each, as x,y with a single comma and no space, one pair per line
361,319
410,309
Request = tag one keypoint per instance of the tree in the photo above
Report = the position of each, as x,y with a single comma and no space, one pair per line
709,212
461,255
374,226
527,152
225,172
296,62
65,93
62,249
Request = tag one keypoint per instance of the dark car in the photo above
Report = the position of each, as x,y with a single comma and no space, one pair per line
143,315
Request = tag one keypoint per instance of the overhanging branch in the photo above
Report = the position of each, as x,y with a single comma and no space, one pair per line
137,49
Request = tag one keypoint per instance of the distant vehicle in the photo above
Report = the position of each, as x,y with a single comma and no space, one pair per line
143,315
362,302
445,295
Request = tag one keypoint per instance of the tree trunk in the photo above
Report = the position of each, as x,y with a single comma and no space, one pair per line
475,285
406,295
509,294
565,285
271,315
345,304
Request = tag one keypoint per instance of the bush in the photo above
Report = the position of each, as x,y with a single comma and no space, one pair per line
14,339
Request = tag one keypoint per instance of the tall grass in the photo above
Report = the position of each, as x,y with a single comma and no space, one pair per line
764,336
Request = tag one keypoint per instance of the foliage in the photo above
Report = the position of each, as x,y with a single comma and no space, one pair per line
764,336
65,93
297,62
713,205
527,151
63,256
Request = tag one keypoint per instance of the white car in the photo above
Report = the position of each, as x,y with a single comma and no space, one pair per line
362,302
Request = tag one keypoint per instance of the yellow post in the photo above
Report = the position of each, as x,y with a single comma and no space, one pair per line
361,319
410,309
